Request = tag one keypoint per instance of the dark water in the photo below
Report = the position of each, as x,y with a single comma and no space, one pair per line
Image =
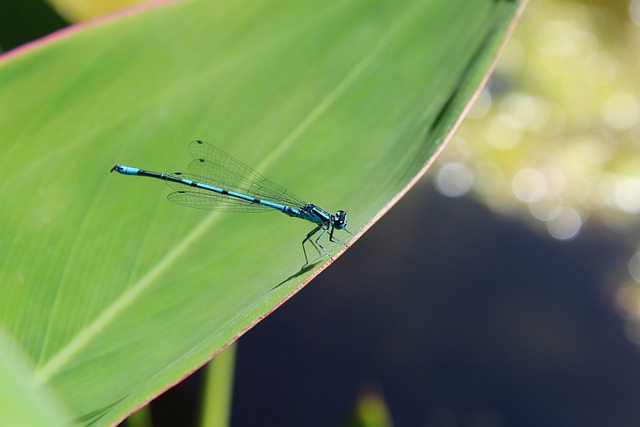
460,317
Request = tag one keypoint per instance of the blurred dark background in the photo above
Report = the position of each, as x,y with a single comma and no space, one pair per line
457,316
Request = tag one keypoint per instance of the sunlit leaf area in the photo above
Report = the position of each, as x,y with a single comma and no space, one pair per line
554,141
93,338
555,136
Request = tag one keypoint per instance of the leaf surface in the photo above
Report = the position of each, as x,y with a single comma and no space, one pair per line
114,293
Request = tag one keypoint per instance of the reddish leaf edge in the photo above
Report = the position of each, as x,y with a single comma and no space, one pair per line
372,221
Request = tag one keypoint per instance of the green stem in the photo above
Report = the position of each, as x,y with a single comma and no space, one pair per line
218,389
140,418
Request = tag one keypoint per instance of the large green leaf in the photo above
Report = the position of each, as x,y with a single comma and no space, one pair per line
115,294
22,403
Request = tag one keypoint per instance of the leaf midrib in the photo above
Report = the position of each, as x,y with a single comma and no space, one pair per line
84,337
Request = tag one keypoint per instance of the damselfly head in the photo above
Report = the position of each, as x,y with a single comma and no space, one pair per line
340,220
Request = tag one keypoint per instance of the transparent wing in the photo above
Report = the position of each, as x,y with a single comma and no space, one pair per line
213,166
215,202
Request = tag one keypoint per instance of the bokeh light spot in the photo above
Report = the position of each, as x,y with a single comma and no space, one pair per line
634,11
566,225
529,185
622,111
634,267
531,113
503,132
454,179
626,194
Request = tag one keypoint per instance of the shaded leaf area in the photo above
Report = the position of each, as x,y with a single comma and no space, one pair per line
115,294
22,402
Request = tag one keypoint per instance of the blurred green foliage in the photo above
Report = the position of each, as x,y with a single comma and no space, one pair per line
554,138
